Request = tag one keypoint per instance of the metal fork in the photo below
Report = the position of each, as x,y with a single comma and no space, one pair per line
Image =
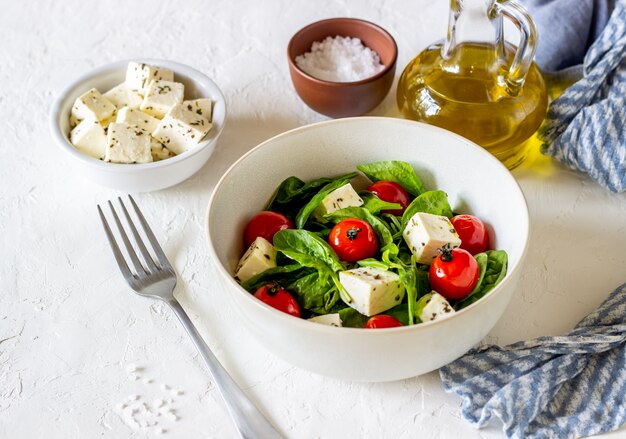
157,279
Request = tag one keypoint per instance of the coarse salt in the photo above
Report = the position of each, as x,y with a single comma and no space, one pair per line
340,59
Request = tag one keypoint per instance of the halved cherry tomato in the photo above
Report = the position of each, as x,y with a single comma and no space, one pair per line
453,273
382,321
353,239
265,224
473,233
391,192
278,298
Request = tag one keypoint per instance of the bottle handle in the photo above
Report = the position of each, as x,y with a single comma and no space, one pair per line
514,78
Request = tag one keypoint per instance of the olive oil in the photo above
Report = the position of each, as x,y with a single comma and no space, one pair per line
467,93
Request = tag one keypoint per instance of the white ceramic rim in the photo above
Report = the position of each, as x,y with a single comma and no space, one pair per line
121,168
331,329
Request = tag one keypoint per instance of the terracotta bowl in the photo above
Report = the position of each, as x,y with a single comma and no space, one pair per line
343,99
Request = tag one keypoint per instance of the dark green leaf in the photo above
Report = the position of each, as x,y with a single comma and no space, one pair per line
351,318
281,275
313,294
374,204
396,171
433,202
303,242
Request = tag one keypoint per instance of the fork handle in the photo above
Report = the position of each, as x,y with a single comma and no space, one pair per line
249,421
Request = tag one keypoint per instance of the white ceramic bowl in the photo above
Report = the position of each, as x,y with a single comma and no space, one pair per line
476,183
146,176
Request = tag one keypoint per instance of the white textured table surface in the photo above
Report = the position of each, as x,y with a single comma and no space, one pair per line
69,328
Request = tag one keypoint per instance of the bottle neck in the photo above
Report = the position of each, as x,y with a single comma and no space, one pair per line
471,21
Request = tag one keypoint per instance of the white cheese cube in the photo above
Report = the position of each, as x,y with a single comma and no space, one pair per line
372,290
260,256
131,116
327,319
92,105
425,233
138,76
89,138
433,307
203,107
161,96
127,144
340,198
180,129
122,96
159,151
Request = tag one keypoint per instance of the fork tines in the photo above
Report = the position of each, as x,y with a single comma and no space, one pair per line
149,265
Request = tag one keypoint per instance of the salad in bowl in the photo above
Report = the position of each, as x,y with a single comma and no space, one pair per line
387,254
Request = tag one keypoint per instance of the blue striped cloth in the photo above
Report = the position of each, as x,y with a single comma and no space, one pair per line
585,127
568,386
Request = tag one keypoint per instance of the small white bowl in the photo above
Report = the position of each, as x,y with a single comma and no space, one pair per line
476,183
145,176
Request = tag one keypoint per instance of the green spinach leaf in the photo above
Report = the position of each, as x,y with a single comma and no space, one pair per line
397,171
374,204
281,275
433,202
351,318
313,294
309,250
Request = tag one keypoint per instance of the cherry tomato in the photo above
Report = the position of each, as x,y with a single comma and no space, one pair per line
382,321
473,233
353,239
391,192
265,224
454,273
278,298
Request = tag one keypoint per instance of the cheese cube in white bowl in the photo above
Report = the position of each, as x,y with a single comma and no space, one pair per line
433,307
202,107
426,233
340,198
127,144
327,319
372,290
159,150
131,116
122,96
139,75
161,96
260,256
92,105
89,138
181,129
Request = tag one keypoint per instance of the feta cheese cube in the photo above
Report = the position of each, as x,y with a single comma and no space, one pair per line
425,233
203,107
130,116
260,256
92,105
161,96
327,319
138,76
180,129
122,96
89,138
433,306
159,151
127,144
372,290
340,198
